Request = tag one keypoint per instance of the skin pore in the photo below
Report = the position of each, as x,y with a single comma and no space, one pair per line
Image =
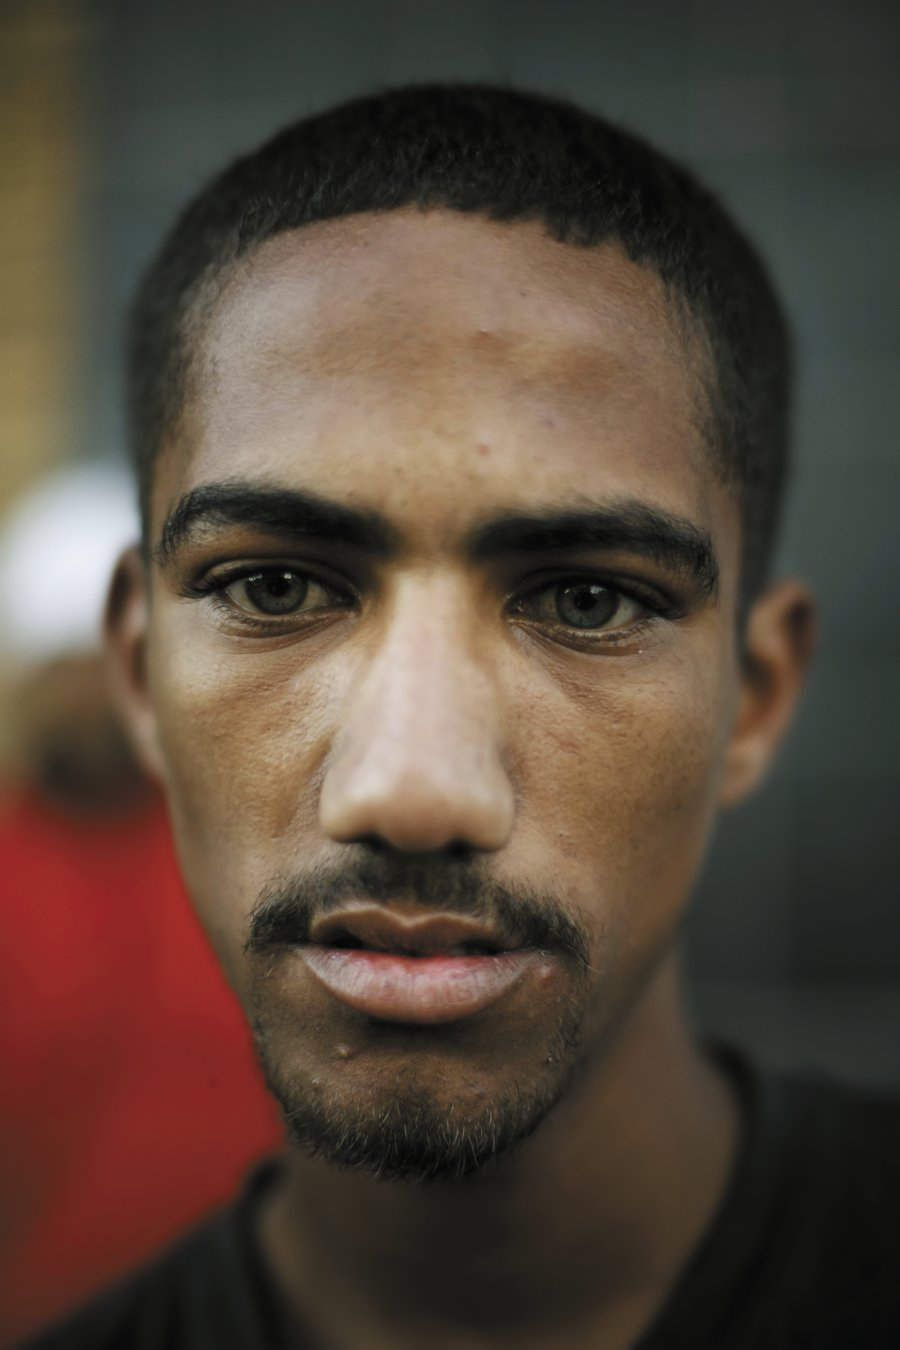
462,467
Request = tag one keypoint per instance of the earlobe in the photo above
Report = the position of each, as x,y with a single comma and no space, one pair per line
126,622
777,649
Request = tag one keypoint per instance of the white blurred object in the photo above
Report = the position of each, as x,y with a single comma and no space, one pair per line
57,549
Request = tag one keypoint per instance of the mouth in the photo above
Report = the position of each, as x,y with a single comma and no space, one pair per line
413,967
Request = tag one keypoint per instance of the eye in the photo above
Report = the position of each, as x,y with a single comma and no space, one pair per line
277,591
584,604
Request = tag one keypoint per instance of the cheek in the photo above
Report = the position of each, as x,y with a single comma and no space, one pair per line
615,765
243,737
620,777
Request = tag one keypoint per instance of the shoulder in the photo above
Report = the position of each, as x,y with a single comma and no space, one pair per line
205,1291
815,1131
804,1251
843,1139
833,1241
149,1307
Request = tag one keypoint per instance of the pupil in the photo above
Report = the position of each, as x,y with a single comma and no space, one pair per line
586,605
277,592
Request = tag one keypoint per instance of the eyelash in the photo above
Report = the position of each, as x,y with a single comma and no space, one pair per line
213,587
655,606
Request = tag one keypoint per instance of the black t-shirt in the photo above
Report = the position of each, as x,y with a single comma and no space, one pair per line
803,1254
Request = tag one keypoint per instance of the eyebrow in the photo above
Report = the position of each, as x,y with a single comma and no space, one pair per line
275,510
628,526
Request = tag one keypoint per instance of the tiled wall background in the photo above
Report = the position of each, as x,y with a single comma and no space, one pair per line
791,110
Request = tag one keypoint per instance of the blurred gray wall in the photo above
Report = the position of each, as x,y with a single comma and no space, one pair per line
791,110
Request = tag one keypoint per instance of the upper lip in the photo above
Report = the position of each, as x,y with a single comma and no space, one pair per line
414,933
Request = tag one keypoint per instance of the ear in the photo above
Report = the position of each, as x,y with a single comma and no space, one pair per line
778,646
126,623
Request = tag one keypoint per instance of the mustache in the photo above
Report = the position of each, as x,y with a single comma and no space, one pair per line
521,915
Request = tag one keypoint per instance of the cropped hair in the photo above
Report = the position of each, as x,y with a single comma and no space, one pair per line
506,155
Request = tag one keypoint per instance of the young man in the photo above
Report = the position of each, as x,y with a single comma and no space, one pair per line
460,419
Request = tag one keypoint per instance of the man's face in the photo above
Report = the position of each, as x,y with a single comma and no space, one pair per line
448,764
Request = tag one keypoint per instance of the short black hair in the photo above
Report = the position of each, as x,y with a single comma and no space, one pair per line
507,155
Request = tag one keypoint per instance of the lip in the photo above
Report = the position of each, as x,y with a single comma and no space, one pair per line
410,933
412,967
424,989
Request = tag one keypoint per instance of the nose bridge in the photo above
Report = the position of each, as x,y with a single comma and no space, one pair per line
426,683
418,760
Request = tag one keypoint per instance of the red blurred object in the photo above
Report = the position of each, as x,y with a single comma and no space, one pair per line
130,1099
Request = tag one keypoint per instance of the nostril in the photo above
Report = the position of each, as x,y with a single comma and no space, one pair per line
416,802
371,841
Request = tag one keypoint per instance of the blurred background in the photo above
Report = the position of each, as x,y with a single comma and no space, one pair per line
112,115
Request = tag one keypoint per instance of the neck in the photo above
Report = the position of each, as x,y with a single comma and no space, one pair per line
586,1226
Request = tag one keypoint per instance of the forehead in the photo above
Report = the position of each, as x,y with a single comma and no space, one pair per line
360,353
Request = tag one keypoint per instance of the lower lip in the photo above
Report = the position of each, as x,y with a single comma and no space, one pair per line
423,989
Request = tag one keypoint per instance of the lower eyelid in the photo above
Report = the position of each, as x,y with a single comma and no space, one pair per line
230,612
596,640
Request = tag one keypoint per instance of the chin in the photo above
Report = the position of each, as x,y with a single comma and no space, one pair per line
408,1115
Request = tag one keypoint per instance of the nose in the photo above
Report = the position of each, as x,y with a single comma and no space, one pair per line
417,763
